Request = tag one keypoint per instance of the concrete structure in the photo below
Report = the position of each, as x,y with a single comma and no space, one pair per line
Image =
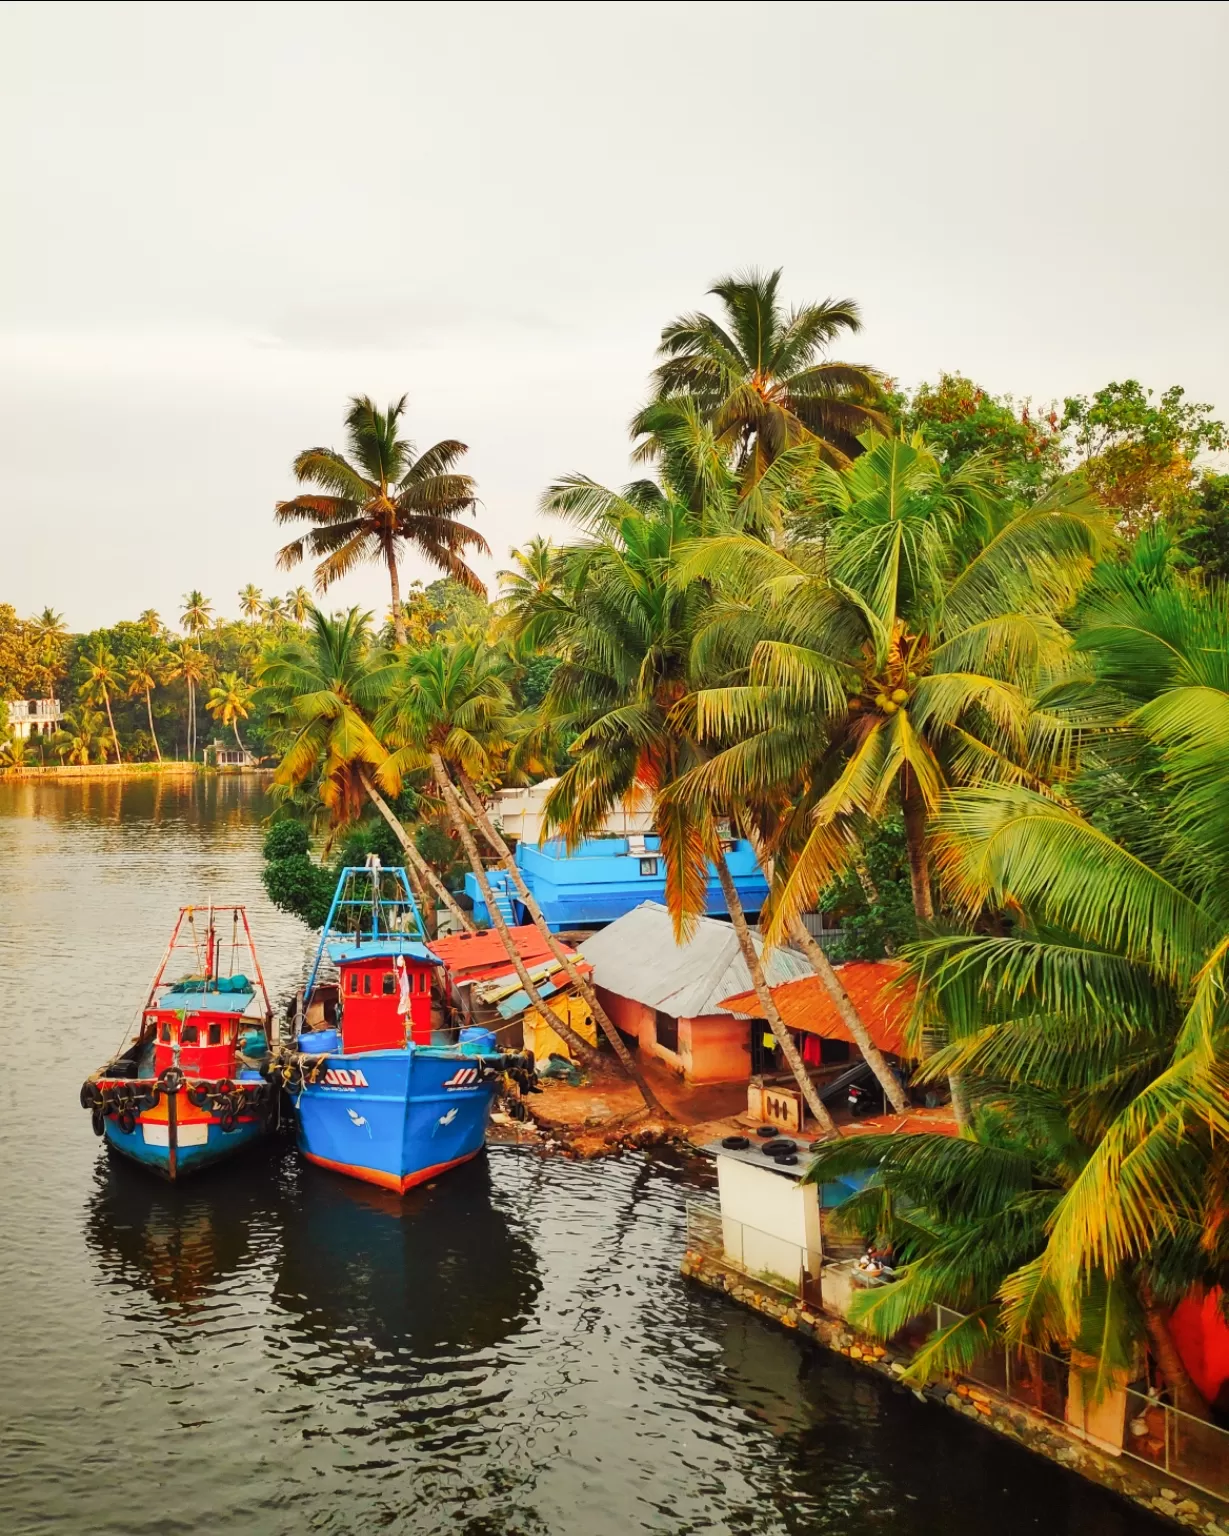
34,717
519,814
664,997
769,1218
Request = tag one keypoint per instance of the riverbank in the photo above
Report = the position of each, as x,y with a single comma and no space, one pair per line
167,769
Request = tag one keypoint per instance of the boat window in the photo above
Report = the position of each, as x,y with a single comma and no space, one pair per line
366,981
422,981
165,1033
215,1034
390,983
189,1035
648,866
354,981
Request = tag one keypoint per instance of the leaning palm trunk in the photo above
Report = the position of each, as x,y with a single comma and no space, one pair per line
149,710
771,1013
924,908
1186,1395
850,1016
420,865
452,800
106,699
578,980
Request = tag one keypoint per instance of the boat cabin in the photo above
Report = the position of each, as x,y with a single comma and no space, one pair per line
385,993
198,1025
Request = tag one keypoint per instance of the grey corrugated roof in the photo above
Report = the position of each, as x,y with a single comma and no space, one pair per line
636,957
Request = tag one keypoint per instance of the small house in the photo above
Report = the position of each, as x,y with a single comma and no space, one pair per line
665,997
223,756
30,718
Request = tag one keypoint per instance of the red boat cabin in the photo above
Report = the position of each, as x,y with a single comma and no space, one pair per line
385,994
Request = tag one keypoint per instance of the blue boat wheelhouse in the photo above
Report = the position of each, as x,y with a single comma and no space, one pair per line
606,877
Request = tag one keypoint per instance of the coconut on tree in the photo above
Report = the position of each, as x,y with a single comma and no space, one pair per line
383,498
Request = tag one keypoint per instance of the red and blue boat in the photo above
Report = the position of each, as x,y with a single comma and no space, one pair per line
189,1089
377,1095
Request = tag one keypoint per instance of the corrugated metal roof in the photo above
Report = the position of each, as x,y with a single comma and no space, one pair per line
637,957
806,1005
466,953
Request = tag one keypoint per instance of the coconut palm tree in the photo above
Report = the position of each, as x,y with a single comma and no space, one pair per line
383,497
325,686
759,378
146,670
102,678
188,662
449,710
893,649
197,613
299,604
625,633
251,601
230,700
150,621
531,583
273,611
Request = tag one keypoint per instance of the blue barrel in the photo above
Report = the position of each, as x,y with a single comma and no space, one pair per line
320,1042
476,1041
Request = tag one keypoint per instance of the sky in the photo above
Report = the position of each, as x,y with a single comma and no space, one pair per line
221,221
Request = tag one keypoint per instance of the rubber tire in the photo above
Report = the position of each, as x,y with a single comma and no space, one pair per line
785,1159
735,1143
98,1122
228,1122
127,1122
779,1145
767,1130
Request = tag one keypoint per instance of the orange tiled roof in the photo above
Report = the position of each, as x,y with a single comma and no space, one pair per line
805,1005
469,955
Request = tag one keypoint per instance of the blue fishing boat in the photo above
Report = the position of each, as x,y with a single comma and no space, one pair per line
375,1095
189,1087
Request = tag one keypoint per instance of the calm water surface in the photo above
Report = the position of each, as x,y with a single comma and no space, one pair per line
274,1349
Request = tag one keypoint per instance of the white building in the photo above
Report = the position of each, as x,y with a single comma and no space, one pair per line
519,814
34,717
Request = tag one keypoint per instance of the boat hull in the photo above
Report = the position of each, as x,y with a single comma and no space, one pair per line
396,1118
177,1141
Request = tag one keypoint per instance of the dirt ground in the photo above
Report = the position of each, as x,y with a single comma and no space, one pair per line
606,1114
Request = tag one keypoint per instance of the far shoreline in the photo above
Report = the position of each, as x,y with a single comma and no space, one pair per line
126,770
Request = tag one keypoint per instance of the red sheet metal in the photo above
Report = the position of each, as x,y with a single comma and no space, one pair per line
805,1004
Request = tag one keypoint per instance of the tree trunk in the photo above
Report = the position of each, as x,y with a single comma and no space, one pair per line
579,981
149,710
424,898
1187,1397
924,907
452,800
191,721
106,699
394,582
424,869
771,1014
234,725
850,1016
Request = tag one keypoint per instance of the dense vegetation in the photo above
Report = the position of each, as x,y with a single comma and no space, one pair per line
958,666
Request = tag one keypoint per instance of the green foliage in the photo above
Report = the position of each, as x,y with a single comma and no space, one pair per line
1139,454
535,680
28,668
959,419
284,839
1205,538
880,920
297,884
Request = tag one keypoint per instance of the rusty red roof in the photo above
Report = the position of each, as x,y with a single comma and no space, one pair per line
475,956
804,1004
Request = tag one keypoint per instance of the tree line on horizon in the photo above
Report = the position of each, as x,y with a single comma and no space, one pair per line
958,668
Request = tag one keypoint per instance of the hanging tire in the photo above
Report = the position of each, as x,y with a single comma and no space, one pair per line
98,1122
127,1122
225,1086
228,1121
91,1095
198,1095
172,1080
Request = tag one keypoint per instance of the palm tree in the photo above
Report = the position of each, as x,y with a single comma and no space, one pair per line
449,710
186,661
230,700
889,652
625,632
150,621
251,602
381,498
102,678
299,604
146,671
326,686
273,611
79,736
758,378
197,614
530,585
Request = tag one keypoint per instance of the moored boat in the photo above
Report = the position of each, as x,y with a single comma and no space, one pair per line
376,1096
189,1088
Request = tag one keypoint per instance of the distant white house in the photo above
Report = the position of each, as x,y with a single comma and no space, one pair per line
34,717
223,756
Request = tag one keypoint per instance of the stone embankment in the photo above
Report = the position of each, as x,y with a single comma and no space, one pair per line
1184,1505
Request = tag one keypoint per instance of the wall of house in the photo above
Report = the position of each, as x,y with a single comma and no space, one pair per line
715,1048
630,1018
768,1221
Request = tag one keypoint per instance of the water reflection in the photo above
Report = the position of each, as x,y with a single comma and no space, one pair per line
438,1269
180,1244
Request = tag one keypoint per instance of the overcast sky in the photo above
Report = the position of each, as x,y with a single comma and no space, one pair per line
221,221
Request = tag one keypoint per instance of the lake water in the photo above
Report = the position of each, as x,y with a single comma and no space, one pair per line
274,1349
